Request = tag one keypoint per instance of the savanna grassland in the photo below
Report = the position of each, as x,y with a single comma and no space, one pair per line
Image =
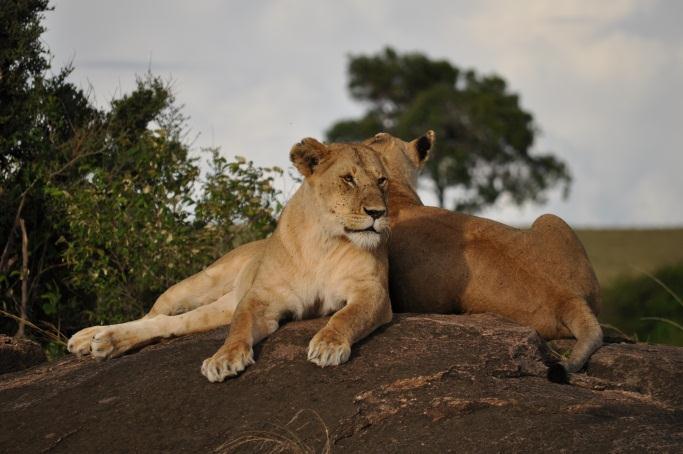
629,252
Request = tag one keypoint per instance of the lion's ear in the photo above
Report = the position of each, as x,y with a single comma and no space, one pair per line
307,155
421,147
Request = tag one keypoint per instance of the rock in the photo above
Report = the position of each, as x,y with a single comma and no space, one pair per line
19,354
424,383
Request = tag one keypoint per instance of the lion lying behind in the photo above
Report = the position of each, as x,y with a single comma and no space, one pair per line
445,262
327,255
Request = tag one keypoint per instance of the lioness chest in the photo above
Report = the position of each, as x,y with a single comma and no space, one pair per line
322,285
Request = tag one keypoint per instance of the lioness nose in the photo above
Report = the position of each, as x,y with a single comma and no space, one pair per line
375,213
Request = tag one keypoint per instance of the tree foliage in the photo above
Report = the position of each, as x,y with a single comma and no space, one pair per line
22,64
113,201
484,136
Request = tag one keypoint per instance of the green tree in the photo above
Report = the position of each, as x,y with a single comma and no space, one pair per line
101,209
39,114
484,136
22,64
141,218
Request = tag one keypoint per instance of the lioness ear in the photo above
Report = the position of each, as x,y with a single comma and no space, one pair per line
421,147
307,155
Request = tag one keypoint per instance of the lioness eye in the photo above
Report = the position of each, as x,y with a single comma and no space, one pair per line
382,181
348,179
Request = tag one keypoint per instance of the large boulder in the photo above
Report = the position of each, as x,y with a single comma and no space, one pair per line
424,383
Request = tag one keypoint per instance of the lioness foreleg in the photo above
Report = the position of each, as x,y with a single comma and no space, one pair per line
252,322
365,311
110,341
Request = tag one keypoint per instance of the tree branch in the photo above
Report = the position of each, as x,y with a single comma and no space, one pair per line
22,201
23,314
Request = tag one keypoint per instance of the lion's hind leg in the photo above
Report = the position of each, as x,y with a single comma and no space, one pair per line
196,291
209,284
584,326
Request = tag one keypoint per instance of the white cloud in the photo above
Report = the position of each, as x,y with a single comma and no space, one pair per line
603,79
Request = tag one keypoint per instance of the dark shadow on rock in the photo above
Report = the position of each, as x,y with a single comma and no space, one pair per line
19,354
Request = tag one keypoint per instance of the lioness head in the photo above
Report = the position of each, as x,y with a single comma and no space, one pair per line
403,160
349,185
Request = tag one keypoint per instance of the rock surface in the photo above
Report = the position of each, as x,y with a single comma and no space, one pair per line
19,354
424,383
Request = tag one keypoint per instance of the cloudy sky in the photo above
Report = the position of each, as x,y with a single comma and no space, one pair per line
603,79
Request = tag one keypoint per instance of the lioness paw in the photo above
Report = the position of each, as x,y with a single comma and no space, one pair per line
228,361
79,343
115,340
328,348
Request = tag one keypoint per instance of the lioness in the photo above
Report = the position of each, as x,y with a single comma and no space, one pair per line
442,261
327,255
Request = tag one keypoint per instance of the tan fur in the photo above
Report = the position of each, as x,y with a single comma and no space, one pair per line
327,255
445,262
440,261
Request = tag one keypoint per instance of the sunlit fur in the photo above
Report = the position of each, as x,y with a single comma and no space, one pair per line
317,262
367,239
443,261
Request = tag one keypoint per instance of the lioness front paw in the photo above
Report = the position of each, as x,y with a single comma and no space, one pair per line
228,361
106,344
79,343
328,348
103,342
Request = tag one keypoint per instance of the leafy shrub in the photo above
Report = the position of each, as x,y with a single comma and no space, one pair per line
120,211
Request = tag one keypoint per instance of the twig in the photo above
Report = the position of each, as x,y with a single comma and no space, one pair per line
38,270
22,201
57,337
664,320
23,309
279,439
619,331
662,284
4,259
